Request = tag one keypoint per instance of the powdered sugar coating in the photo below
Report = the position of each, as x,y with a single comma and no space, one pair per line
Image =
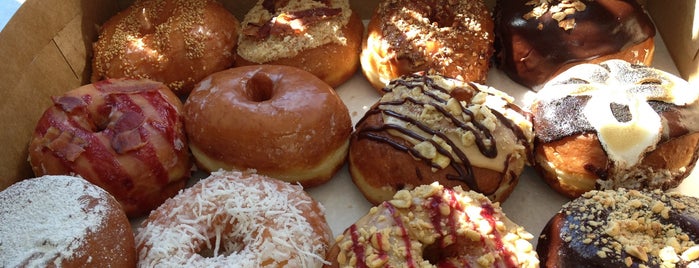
242,219
44,221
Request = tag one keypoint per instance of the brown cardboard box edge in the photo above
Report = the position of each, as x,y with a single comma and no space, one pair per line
46,47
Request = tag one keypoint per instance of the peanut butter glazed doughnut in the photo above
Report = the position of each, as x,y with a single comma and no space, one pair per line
126,136
175,42
236,219
430,128
434,226
63,221
322,37
452,38
623,228
537,39
615,125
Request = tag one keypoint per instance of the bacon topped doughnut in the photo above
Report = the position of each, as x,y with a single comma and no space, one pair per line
322,37
174,42
236,219
430,128
451,38
434,226
126,136
614,124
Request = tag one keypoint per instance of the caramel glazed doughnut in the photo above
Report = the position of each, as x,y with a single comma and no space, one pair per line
615,125
434,226
236,219
536,40
279,120
63,221
623,228
451,38
322,37
175,42
430,128
126,136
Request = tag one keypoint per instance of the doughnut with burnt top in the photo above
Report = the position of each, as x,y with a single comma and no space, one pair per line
126,136
614,124
63,221
623,228
537,39
451,38
430,128
434,226
322,37
174,42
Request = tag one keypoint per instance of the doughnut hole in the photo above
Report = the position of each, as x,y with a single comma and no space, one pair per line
259,88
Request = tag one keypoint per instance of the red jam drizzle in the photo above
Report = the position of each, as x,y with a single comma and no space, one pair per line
487,212
357,247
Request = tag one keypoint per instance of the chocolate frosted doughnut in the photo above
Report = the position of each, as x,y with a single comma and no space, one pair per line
534,40
623,228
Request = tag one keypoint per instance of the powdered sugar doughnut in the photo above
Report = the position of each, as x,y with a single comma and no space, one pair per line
63,221
239,219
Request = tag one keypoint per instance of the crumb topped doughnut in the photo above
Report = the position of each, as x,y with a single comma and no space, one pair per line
451,38
614,124
279,120
535,40
322,37
236,219
63,221
623,228
430,128
175,42
434,226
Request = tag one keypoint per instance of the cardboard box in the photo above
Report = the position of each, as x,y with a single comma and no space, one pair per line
45,50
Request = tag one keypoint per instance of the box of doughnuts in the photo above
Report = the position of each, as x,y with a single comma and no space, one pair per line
350,133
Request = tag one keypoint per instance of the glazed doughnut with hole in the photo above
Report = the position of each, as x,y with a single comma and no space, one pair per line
450,38
614,124
623,228
323,37
236,219
174,42
63,221
126,136
536,40
430,128
279,120
434,226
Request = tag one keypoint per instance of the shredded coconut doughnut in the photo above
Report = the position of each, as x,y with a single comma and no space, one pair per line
236,219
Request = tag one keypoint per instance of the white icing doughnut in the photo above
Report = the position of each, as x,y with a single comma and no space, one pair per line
241,219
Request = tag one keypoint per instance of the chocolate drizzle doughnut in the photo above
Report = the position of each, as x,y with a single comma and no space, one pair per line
623,228
535,40
448,128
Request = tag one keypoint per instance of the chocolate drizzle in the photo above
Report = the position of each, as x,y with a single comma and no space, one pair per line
404,113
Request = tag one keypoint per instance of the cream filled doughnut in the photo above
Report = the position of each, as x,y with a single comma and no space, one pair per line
126,136
63,221
236,219
279,120
430,128
614,124
323,37
171,41
451,38
434,226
